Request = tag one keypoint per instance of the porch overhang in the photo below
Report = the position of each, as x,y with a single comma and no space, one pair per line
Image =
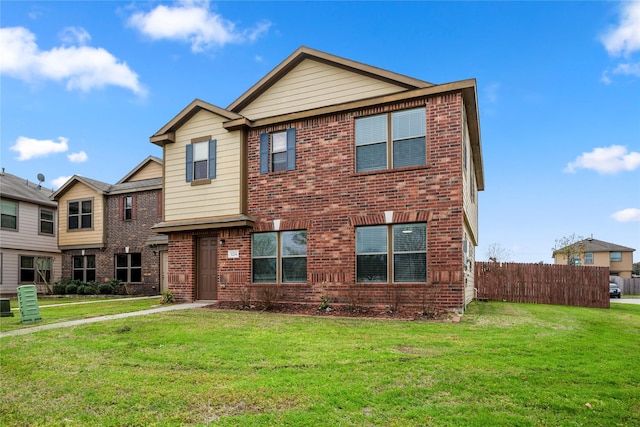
204,223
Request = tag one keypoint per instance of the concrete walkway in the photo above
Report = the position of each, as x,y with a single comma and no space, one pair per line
170,307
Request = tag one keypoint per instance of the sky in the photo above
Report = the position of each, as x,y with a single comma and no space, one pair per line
84,84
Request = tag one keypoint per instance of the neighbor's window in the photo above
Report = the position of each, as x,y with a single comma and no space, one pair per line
407,244
615,256
129,267
588,258
278,151
201,160
46,221
279,257
128,207
84,268
397,139
80,214
9,212
35,269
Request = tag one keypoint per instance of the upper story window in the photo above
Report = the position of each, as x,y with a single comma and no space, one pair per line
278,151
201,159
588,258
127,207
46,221
279,257
405,259
615,256
80,214
397,139
9,211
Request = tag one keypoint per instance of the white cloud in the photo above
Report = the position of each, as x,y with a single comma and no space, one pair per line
625,38
75,35
623,41
192,22
78,157
30,148
627,215
606,160
59,182
81,67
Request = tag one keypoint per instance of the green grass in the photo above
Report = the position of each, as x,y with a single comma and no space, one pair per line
502,365
54,310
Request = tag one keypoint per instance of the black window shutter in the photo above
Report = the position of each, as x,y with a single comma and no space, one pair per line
212,158
291,149
189,166
264,153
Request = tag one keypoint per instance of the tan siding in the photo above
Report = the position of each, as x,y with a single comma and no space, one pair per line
470,201
81,237
11,268
313,84
151,170
219,198
28,237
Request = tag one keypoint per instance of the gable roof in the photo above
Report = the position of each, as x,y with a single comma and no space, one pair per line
98,186
303,53
595,245
14,187
166,134
142,165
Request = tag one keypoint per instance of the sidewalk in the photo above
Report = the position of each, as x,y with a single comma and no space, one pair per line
170,307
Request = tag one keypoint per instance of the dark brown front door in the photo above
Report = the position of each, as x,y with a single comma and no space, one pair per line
207,287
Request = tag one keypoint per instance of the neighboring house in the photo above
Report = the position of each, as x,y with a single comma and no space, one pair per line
327,177
28,235
105,230
596,253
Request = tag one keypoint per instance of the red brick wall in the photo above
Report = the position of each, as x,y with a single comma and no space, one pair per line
326,197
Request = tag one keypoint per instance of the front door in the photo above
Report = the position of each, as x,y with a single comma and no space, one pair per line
164,271
207,286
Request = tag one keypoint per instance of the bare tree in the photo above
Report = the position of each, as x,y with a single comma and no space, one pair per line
497,253
571,247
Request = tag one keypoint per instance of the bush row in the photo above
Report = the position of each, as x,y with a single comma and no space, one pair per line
76,287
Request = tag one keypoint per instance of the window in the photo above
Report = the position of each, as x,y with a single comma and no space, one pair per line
84,268
279,257
408,248
278,151
201,159
46,221
35,269
615,256
127,208
80,214
588,258
129,267
398,139
9,212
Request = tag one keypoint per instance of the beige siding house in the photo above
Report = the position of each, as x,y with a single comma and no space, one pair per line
597,253
29,251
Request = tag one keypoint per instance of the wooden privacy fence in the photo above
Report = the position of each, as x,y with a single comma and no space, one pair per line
543,284
627,286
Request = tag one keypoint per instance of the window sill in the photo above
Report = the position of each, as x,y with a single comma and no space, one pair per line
392,170
201,182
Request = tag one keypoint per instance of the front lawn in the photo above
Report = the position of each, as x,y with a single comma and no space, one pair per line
502,365
55,310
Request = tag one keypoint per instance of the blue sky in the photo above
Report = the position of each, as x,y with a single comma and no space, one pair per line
84,84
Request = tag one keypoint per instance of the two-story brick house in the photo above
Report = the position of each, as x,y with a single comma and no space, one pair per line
105,229
28,247
327,177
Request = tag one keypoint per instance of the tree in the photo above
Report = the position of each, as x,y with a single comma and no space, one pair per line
636,269
496,253
571,246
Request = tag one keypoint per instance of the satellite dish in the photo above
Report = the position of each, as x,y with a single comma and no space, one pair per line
40,177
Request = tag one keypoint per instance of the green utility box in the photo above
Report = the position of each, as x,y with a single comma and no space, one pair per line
28,302
5,308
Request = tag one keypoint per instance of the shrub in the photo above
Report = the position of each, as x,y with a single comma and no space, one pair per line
118,287
105,289
59,288
167,298
71,289
87,290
